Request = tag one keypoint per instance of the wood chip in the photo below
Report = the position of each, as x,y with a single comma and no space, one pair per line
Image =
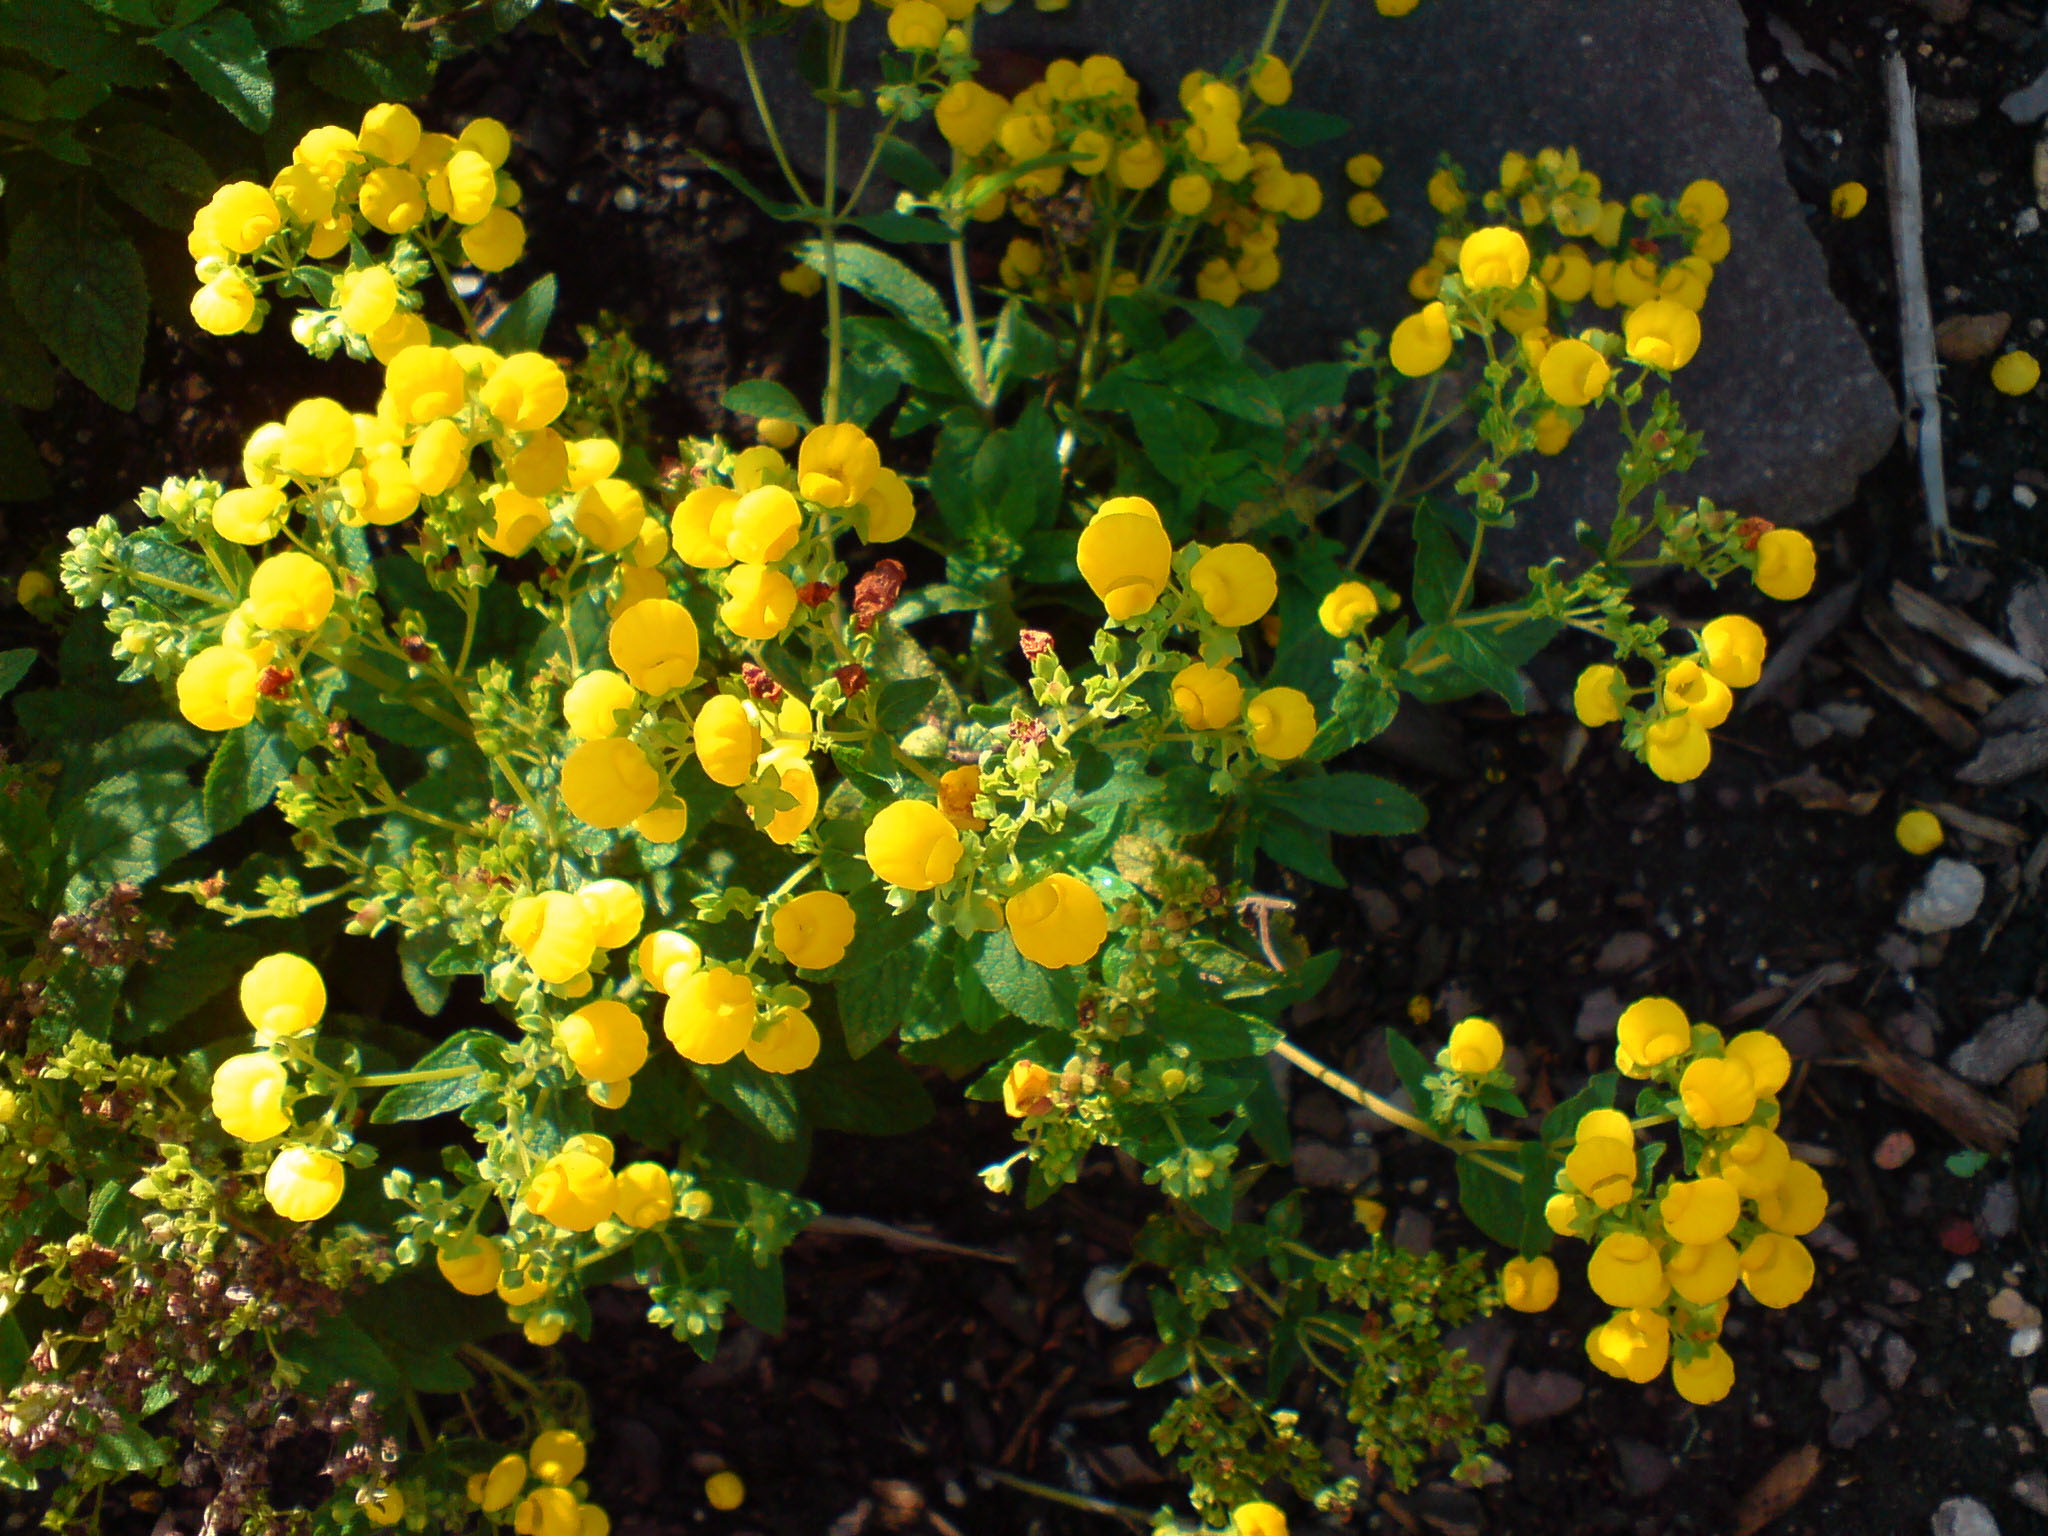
2006,758
1866,657
1787,655
1970,824
2026,615
1973,1119
1777,1491
2024,709
1970,338
1815,792
1964,633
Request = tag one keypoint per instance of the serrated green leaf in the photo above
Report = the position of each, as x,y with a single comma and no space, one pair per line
765,397
882,279
77,280
128,827
1026,989
477,1050
222,53
157,174
875,1096
1294,844
205,962
14,667
910,166
1356,804
247,770
764,1102
428,987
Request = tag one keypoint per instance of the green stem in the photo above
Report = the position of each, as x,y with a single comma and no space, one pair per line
1390,494
1471,568
169,585
470,609
828,226
448,282
1315,25
970,325
396,690
761,110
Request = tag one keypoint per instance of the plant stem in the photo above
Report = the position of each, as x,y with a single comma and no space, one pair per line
400,1079
1330,1078
1471,568
448,282
1315,25
970,325
761,110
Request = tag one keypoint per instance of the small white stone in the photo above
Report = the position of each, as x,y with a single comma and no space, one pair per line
1946,898
1960,1271
1103,1291
2024,495
2025,1341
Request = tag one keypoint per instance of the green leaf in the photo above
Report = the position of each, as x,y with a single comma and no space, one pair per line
910,166
875,1096
1439,564
475,1049
1357,804
773,207
882,279
904,228
127,1448
764,397
391,70
1030,991
77,280
764,1102
14,667
204,963
1162,1365
128,827
1506,1210
340,1349
1563,1119
1295,844
22,476
756,1291
247,770
1411,1067
158,175
224,55
521,324
428,987
1299,127
26,375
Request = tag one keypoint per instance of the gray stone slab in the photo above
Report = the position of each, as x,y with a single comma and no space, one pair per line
1654,93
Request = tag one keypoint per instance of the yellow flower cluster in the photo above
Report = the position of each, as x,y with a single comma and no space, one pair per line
1199,174
389,176
543,1489
1667,1258
284,999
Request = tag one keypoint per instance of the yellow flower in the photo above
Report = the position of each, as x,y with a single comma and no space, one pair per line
1207,698
1445,195
593,704
1259,1519
572,1189
605,1041
1057,922
958,789
1493,258
302,195
967,114
727,740
390,132
1704,1272
1770,1065
1717,1091
787,1043
250,516
654,643
1919,832
2016,373
526,391
291,591
795,779
1347,608
1366,209
1603,1169
1236,583
1474,1048
1594,698
304,1184
1364,170
282,995
1776,1270
910,844
1529,1285
609,514
1784,564
711,1014
390,494
556,933
1271,80
1848,200
1574,373
643,1196
1662,334
516,520
765,525
1139,164
1712,243
471,1265
392,200
616,908
1125,556
495,241
1625,1271
889,507
1632,1345
1216,282
217,688
328,152
814,929
1282,722
1421,344
1735,649
759,602
1568,274
319,439
1757,1162
1677,749
1189,194
248,1096
665,957
1798,1204
1690,689
425,384
837,465
724,1490
1561,1214
1706,1380
608,782
1703,202
225,305
242,216
916,25
1700,1210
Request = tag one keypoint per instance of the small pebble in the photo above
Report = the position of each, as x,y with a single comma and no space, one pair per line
1895,1361
2028,222
1963,1517
2037,1403
1800,1360
2024,496
2011,1309
1959,1235
2031,1489
2025,1342
1958,1273
1103,1291
1895,1151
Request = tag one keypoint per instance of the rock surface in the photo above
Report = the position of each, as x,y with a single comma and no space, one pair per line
2005,1044
1654,93
1946,898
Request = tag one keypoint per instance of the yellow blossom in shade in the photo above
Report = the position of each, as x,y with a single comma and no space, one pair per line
225,305
1207,698
1216,282
814,929
655,644
1919,832
1474,1048
1717,1091
958,789
1631,1346
502,1484
1057,922
1756,1162
1662,334
593,703
765,525
472,1265
1707,1379
1650,1031
609,514
217,688
1366,209
495,241
1625,1271
282,995
1272,81
1364,170
1567,274
1848,200
1777,1270
1704,1272
605,1041
1529,1285
727,740
837,465
608,782
724,1490
1139,164
711,1014
1690,689
1703,202
557,1457
1713,243
1347,608
795,779
555,933
1282,723
759,602
291,591
242,216
319,439
248,1096
1421,344
1561,1214
1769,1063
392,200
541,468
1784,564
1444,193
1426,281
1189,194
787,1042
304,1184
911,844
1700,1210
1574,373
1497,257
1603,1169
890,508
250,516
2016,373
1125,556
1734,648
516,521
1027,1090
572,1189
1258,1519
1677,749
1798,1204
1553,434
643,1196
1236,582
1594,698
